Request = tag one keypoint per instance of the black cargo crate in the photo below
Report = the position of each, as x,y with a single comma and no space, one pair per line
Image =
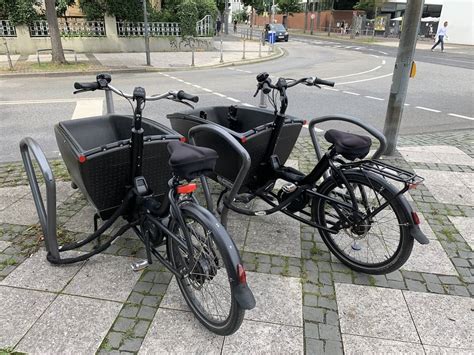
250,126
97,153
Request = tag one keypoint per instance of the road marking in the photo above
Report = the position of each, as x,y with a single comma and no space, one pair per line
219,94
461,116
427,109
187,83
374,98
407,104
354,74
89,108
351,93
383,62
248,105
369,79
357,48
180,80
316,129
330,89
232,99
383,52
206,90
197,86
44,101
165,74
376,56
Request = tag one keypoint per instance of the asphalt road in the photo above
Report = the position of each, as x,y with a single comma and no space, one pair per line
439,99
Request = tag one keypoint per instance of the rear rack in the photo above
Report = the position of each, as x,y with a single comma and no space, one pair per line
387,171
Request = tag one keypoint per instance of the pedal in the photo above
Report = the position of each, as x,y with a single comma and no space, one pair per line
139,265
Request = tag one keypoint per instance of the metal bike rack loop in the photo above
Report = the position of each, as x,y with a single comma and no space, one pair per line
47,216
245,166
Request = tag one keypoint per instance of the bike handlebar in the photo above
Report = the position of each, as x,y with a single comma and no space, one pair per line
103,83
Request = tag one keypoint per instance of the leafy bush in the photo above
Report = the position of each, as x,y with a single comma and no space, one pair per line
19,12
188,16
92,9
206,7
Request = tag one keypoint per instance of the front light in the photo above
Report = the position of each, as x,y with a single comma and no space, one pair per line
286,33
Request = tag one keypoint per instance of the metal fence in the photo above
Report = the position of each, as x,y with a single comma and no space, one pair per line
7,29
205,27
70,27
155,29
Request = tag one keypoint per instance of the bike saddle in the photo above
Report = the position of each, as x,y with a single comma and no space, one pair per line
188,161
350,146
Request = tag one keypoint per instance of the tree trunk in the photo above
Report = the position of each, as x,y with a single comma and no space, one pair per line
56,45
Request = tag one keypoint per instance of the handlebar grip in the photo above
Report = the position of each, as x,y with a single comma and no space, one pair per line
323,82
86,86
181,95
266,88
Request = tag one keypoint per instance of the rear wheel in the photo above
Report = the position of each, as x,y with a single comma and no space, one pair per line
206,285
378,245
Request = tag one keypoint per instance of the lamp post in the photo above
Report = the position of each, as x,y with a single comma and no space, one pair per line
147,38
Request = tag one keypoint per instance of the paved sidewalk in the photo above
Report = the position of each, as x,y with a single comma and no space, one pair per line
307,302
233,53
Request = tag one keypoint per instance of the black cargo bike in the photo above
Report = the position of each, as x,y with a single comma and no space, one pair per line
120,164
365,221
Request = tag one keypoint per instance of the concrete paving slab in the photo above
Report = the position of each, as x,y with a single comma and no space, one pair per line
237,227
4,59
438,350
465,226
74,325
4,245
430,258
37,273
21,212
374,312
264,338
354,344
9,195
46,58
19,309
435,154
104,276
425,227
278,298
443,154
179,332
449,187
274,236
63,191
442,320
82,221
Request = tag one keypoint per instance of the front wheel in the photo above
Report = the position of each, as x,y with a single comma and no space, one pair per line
206,285
380,244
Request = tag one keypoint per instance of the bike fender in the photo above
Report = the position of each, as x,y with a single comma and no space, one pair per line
415,230
242,292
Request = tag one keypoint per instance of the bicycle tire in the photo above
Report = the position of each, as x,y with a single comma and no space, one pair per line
236,313
380,187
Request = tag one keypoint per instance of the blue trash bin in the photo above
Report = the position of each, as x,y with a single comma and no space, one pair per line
271,37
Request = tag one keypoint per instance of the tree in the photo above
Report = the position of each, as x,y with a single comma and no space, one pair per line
19,12
288,7
54,34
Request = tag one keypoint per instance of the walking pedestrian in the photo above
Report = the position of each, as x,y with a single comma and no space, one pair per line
218,26
235,26
441,34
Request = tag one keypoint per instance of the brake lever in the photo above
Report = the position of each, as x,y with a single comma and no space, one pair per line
79,91
317,86
256,92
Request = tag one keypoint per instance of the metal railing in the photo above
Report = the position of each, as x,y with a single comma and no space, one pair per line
80,27
155,29
7,29
204,27
70,27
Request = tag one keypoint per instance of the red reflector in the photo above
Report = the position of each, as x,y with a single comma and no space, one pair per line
415,217
305,122
412,186
241,274
182,139
186,189
243,139
82,159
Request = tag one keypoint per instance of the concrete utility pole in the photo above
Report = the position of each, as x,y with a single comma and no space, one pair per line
401,73
147,38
